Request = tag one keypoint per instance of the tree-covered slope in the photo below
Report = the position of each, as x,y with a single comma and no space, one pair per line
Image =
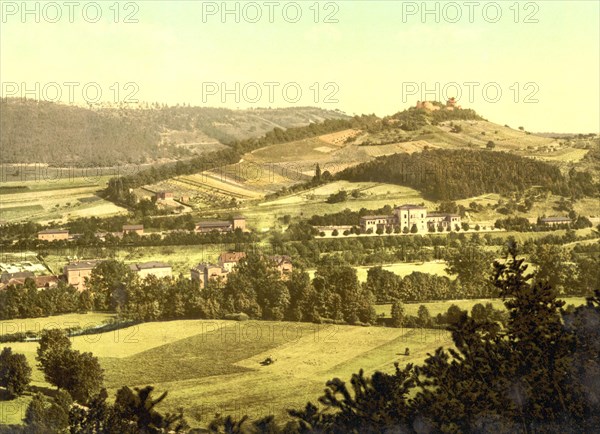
457,174
58,134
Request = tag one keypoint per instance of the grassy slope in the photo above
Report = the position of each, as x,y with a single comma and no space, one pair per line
307,355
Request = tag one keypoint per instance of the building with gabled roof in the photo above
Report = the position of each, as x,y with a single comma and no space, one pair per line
53,234
237,222
155,268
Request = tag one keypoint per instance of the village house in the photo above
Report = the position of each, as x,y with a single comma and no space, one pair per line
556,221
138,229
53,235
204,272
154,268
238,222
77,272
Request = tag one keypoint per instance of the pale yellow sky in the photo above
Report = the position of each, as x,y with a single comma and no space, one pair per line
356,56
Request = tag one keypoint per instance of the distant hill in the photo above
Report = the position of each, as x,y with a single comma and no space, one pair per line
57,134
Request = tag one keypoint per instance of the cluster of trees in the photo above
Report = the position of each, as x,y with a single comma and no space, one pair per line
413,119
78,373
387,286
443,174
184,237
479,312
25,301
15,373
470,265
255,288
340,196
373,250
347,216
133,411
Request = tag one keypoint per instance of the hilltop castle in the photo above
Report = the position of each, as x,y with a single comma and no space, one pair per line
451,104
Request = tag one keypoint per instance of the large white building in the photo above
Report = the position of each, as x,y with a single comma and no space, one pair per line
407,217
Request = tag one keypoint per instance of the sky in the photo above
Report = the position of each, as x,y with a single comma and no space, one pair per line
531,64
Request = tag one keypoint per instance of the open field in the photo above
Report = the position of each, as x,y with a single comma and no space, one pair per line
306,356
46,200
436,307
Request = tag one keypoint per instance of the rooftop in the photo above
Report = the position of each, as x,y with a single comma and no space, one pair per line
6,277
231,256
54,231
203,266
133,227
556,219
409,206
281,259
214,223
82,265
149,265
373,217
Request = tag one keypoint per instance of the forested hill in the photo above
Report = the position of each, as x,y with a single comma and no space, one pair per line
457,174
58,134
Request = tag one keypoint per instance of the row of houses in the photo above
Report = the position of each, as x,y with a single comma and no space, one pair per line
75,273
222,226
409,217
